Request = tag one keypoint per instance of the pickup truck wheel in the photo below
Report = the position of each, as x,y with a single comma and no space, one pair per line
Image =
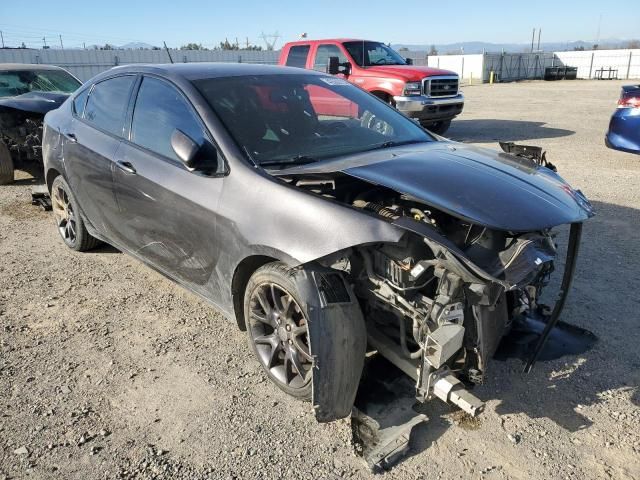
277,326
438,128
68,219
6,165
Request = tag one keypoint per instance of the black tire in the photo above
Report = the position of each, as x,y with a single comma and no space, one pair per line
278,330
6,165
439,128
68,219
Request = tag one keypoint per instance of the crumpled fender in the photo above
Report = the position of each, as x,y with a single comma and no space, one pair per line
337,337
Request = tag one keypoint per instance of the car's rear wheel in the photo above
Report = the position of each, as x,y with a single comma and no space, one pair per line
6,164
277,325
439,128
68,219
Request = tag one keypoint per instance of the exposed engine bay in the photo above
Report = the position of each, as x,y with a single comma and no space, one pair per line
22,133
434,317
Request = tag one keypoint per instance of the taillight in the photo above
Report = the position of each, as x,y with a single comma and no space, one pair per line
629,102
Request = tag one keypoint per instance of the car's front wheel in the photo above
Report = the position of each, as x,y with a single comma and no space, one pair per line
68,219
277,325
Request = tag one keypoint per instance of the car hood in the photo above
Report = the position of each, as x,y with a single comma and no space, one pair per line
409,73
485,187
35,102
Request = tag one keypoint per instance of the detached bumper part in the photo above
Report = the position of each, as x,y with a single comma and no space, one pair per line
451,390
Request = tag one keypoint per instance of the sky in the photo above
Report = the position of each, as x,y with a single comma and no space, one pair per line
209,22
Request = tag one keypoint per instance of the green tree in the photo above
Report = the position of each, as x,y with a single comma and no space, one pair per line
192,46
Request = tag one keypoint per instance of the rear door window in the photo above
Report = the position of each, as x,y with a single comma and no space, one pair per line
322,56
160,109
79,101
298,56
108,103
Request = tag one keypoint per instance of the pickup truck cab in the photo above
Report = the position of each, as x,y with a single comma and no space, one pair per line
429,95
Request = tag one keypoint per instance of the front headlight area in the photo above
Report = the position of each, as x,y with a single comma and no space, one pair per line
412,89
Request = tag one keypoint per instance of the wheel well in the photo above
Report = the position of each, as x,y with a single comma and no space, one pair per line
239,283
384,96
52,173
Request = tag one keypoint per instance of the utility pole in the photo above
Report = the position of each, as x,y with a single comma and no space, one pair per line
533,37
2,37
539,32
44,41
84,45
61,46
247,43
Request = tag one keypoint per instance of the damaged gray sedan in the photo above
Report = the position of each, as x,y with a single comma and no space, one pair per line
321,220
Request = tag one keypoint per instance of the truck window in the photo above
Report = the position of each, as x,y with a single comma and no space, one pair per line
322,56
367,54
298,56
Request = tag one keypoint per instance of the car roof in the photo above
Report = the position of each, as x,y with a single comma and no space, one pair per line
5,67
200,70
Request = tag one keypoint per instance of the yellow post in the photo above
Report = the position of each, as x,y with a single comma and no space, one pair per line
491,74
471,78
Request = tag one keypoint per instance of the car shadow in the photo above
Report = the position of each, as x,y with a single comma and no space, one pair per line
105,248
493,130
603,300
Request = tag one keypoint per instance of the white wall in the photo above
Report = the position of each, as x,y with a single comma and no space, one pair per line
468,67
84,64
627,62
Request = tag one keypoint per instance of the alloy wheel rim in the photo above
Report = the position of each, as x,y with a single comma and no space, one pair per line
64,214
279,330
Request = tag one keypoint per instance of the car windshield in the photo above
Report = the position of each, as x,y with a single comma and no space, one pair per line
368,54
281,119
17,82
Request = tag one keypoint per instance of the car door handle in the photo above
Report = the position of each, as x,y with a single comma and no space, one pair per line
126,166
72,137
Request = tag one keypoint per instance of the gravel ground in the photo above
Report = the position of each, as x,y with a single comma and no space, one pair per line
108,370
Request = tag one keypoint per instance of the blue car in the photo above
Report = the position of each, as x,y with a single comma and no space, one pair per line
624,127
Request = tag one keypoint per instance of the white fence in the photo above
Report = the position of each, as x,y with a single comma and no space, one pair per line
625,64
84,64
622,64
468,67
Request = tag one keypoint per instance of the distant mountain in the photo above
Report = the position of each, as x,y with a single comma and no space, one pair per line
136,46
479,47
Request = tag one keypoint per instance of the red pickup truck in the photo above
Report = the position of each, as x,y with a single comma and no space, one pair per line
429,95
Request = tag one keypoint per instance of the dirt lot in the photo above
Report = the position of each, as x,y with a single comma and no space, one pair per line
108,370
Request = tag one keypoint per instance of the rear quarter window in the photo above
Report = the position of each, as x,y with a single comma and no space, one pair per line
79,102
298,56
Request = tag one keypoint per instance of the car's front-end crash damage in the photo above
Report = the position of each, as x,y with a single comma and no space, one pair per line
476,252
27,93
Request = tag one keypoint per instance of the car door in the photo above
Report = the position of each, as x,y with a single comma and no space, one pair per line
90,147
167,213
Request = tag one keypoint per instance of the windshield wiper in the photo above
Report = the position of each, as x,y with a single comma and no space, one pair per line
297,160
392,143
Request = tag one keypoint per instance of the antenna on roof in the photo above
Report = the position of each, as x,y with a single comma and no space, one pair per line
168,52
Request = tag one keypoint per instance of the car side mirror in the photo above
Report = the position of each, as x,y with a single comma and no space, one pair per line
409,61
334,66
185,148
204,157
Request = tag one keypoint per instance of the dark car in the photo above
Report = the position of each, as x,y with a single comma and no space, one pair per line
27,93
319,218
624,127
